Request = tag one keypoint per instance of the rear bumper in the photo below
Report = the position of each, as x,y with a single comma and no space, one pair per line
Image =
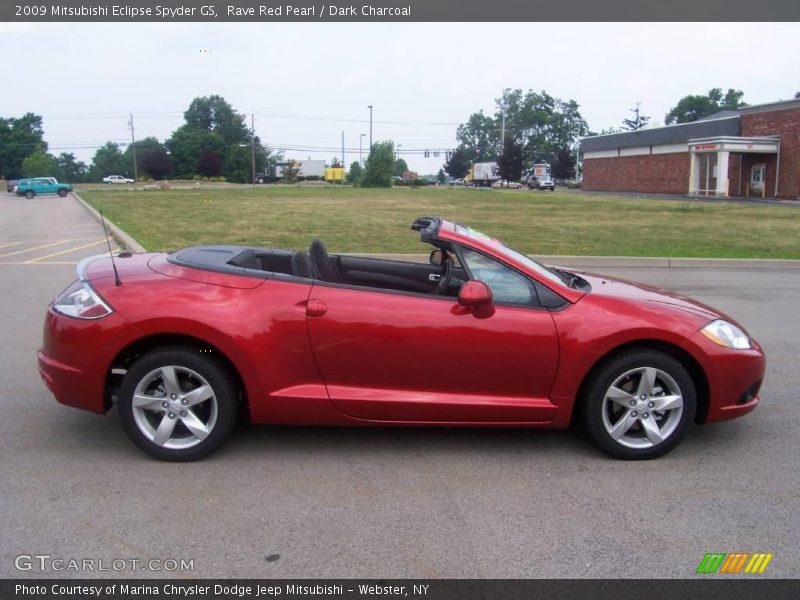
76,356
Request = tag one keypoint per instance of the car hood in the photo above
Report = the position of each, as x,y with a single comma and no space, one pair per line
639,292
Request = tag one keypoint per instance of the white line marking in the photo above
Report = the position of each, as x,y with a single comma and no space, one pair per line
33,260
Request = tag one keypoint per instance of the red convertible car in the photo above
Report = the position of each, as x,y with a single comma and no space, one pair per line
481,335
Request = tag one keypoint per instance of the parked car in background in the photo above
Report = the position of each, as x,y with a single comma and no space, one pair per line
459,181
541,183
479,335
42,185
117,179
11,185
504,183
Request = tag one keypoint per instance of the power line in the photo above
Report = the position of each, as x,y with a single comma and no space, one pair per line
269,115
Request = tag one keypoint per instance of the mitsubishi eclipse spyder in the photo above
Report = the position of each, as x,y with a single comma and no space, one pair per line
186,342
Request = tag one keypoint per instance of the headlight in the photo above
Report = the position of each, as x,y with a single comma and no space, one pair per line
726,334
80,301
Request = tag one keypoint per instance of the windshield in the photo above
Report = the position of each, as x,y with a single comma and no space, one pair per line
509,252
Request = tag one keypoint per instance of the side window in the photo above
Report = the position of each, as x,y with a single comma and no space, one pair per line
507,285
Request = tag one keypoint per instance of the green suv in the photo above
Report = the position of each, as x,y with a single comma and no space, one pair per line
42,185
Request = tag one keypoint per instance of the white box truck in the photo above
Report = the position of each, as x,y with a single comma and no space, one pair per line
482,174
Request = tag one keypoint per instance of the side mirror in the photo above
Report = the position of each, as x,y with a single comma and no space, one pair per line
436,257
474,293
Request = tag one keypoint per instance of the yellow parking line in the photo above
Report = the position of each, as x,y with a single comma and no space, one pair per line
47,262
33,260
9,244
35,248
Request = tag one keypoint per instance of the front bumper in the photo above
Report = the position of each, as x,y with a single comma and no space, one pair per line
76,356
734,377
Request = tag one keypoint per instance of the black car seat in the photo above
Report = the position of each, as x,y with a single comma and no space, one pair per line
302,266
325,266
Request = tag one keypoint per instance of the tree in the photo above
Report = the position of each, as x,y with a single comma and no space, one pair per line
213,113
39,164
211,124
639,121
155,162
564,164
355,173
19,138
210,164
537,120
693,107
109,160
69,169
142,146
186,145
379,167
797,94
509,165
440,176
457,164
291,171
478,137
400,167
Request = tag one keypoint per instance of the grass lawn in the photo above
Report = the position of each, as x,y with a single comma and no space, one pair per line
370,220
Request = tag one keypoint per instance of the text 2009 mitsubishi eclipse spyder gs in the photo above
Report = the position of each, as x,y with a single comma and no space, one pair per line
480,336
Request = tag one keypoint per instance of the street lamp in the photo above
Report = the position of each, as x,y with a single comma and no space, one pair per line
398,151
360,138
370,130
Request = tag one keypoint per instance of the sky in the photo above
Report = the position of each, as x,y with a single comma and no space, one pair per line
306,83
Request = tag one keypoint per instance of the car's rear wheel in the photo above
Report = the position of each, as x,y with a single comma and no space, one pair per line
29,194
178,404
62,192
639,405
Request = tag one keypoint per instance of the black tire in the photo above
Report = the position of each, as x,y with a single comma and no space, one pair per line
62,192
260,180
189,366
601,414
29,194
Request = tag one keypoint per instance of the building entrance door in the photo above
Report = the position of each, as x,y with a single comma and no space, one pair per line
707,174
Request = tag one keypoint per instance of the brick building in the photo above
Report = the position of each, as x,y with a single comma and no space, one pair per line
751,152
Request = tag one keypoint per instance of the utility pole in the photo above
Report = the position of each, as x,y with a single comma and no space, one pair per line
343,163
360,137
370,131
253,144
503,108
133,147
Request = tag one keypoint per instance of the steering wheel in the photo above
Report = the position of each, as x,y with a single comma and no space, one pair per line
444,280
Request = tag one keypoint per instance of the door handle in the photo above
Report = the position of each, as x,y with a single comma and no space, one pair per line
316,308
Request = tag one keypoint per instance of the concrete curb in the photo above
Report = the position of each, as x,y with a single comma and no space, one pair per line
582,262
117,233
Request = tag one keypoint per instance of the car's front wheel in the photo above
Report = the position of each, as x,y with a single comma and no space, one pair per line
639,404
178,403
62,192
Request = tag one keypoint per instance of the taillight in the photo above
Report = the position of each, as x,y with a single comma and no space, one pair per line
81,302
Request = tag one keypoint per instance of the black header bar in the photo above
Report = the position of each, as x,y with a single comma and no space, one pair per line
399,11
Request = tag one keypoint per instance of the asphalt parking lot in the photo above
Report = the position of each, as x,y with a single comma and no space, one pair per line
391,503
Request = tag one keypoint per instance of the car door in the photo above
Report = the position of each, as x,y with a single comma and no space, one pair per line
406,357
